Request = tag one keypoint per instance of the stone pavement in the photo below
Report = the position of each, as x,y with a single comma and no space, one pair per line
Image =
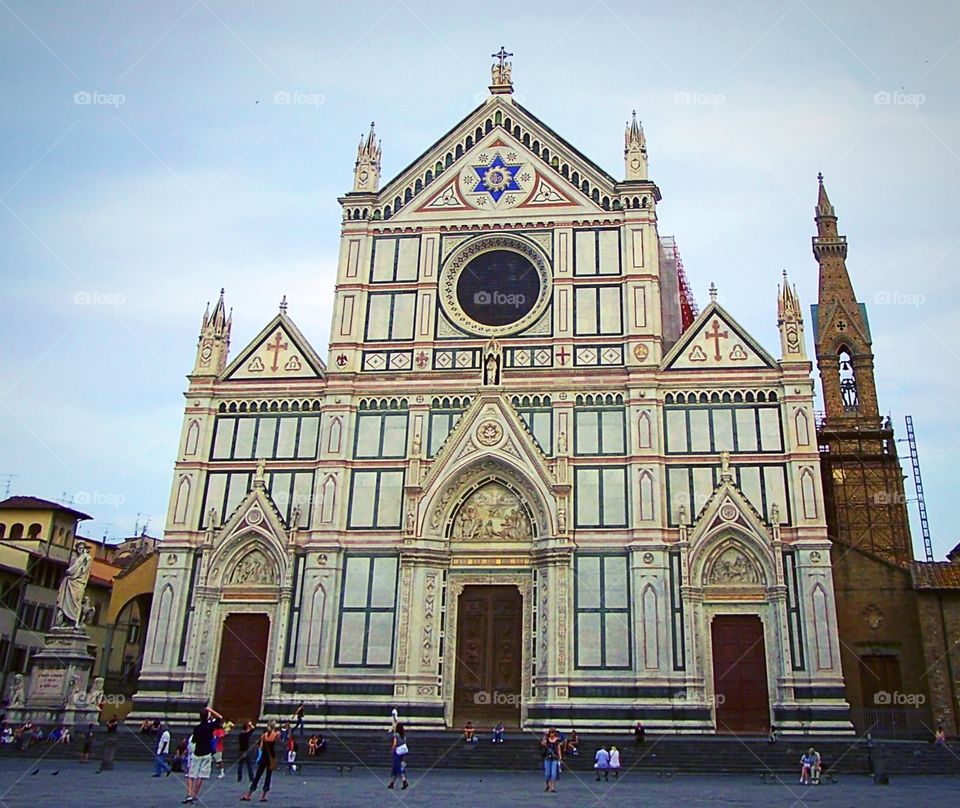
130,784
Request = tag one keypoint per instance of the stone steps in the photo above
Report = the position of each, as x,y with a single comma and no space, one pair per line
660,754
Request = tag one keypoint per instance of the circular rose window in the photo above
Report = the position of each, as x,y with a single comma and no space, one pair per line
495,285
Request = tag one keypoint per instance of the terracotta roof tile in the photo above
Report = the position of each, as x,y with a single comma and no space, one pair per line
935,575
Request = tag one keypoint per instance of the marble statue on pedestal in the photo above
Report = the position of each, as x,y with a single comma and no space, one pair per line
70,606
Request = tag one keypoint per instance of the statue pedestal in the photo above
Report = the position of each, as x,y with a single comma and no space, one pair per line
59,679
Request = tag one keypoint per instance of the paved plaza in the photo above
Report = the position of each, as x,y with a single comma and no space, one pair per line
69,783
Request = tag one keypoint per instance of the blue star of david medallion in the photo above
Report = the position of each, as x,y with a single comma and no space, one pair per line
497,178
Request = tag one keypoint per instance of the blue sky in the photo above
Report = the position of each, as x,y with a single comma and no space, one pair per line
146,163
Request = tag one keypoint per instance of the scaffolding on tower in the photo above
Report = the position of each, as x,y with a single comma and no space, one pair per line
688,303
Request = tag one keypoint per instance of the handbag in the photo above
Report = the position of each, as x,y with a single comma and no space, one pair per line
402,749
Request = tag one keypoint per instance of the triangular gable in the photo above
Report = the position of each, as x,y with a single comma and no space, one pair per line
491,427
834,313
727,506
729,543
496,175
279,351
716,340
497,112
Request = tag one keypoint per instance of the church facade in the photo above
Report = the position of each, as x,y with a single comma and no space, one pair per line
531,483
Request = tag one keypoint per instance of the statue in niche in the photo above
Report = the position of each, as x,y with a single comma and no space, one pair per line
492,363
732,567
492,513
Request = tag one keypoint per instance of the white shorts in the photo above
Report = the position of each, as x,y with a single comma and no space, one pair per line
200,767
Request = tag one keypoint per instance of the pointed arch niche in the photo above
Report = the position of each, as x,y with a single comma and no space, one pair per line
491,510
512,489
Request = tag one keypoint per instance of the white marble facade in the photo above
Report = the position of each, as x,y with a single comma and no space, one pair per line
631,481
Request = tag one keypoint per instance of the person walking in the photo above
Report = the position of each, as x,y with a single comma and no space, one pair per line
298,716
163,749
202,757
266,763
243,747
399,751
552,748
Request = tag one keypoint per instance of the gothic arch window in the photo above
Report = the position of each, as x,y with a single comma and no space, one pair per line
651,640
193,438
848,380
162,631
183,501
821,627
808,494
644,430
646,496
328,499
802,428
333,436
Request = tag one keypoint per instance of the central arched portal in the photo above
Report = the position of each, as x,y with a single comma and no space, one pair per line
489,656
491,531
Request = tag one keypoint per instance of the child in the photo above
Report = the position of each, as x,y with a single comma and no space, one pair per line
291,755
806,763
218,735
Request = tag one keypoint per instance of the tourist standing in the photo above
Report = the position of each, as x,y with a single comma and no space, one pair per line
399,751
298,716
87,745
267,763
163,749
552,756
202,757
639,734
243,746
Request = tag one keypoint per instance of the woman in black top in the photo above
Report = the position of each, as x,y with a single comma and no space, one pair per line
267,764
243,742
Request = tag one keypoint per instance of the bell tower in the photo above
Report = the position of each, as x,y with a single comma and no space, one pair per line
862,478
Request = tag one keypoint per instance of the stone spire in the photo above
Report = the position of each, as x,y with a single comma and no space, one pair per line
634,151
214,344
501,81
790,321
366,171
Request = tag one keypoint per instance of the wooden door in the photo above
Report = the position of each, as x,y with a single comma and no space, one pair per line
243,655
489,656
879,679
740,674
